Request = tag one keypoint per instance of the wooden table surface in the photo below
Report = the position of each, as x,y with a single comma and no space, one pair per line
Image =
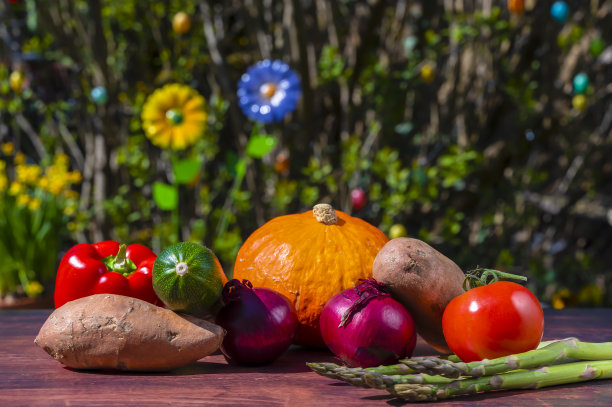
30,377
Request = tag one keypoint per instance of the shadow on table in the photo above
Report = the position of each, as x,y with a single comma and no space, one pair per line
292,361
203,368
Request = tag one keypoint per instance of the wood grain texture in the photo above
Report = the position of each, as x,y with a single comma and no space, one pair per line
29,377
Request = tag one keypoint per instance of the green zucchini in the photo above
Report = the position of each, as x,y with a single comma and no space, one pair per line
188,278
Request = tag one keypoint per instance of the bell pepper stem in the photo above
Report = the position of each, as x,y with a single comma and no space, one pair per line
119,263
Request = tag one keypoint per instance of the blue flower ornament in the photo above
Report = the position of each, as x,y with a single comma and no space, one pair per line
269,91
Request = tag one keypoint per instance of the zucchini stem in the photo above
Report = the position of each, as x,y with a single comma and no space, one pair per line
181,268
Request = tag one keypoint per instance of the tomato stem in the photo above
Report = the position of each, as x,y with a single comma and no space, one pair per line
483,276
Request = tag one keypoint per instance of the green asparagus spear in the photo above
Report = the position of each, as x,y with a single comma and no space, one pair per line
355,376
376,380
374,377
563,350
528,379
333,371
348,374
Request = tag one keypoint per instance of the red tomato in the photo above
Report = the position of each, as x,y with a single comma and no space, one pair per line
492,321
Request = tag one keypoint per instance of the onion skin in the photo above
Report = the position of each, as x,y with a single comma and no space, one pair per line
260,323
379,333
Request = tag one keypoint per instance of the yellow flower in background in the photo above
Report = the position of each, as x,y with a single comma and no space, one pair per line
174,117
56,185
23,200
3,178
16,188
563,298
33,289
62,160
43,183
34,204
20,158
144,235
16,80
57,179
74,177
70,194
579,102
8,148
28,174
590,294
427,73
3,182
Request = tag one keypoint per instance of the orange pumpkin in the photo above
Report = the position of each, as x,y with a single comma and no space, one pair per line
310,257
516,6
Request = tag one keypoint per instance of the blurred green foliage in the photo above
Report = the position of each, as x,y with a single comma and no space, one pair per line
37,211
485,158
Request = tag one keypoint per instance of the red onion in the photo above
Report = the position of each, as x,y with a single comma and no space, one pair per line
365,327
260,323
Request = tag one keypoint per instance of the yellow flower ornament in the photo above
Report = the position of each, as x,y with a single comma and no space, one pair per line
174,117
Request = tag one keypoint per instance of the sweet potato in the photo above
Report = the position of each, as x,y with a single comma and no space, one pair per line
423,280
105,331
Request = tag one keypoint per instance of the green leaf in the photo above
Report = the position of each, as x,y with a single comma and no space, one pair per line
231,160
165,196
240,168
32,15
260,145
185,170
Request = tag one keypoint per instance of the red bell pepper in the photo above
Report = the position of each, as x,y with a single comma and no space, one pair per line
106,267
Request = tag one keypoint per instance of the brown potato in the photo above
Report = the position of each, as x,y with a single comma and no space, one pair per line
107,331
423,280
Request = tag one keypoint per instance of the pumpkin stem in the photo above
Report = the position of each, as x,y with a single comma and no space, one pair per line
325,214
